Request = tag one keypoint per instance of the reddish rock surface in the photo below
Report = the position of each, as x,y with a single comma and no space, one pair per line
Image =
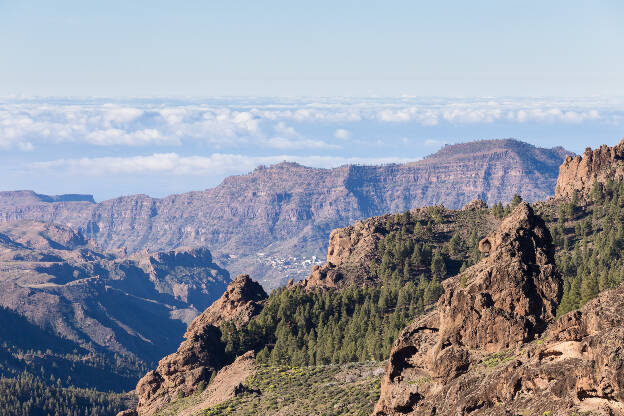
243,299
201,353
578,173
468,355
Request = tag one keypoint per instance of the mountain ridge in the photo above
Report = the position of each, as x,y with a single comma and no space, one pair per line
513,331
134,306
290,208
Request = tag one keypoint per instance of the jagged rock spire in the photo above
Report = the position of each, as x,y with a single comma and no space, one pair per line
201,352
502,302
577,174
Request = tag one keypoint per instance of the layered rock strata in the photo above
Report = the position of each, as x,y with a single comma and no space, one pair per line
289,208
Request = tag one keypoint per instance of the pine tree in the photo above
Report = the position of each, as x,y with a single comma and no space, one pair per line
589,288
438,267
516,200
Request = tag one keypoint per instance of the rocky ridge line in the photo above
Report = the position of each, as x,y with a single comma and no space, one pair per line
503,302
578,173
289,208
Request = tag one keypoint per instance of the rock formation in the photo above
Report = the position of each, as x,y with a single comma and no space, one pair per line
489,312
227,383
201,353
349,253
243,299
578,173
575,368
477,204
289,208
353,249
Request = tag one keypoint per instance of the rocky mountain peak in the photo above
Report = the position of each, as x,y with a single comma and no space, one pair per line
578,173
477,204
509,297
499,304
290,208
241,301
202,352
242,290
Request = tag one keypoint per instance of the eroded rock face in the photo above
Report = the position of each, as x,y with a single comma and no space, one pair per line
575,368
498,305
475,205
511,295
577,174
243,299
199,355
201,352
348,255
227,384
183,273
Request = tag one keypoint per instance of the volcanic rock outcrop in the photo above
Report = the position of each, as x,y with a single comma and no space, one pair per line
349,253
201,353
242,300
488,313
578,173
353,249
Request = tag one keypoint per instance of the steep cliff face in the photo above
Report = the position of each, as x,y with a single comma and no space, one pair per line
575,368
289,208
493,309
578,173
189,274
349,253
201,353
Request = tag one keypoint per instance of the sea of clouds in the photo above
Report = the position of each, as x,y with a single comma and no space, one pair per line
220,136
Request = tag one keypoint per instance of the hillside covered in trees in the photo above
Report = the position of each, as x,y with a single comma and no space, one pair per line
382,274
303,326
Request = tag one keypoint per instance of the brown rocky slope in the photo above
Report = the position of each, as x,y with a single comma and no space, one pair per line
492,345
578,173
202,353
353,249
289,208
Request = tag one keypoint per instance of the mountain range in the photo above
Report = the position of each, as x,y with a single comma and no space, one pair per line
273,223
489,292
520,328
104,303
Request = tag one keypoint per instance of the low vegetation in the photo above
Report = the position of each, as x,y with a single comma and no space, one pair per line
331,390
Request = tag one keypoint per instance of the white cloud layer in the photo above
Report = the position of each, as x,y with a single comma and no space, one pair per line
172,163
342,134
271,123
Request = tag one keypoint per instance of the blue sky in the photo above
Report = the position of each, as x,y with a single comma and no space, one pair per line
334,48
156,97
